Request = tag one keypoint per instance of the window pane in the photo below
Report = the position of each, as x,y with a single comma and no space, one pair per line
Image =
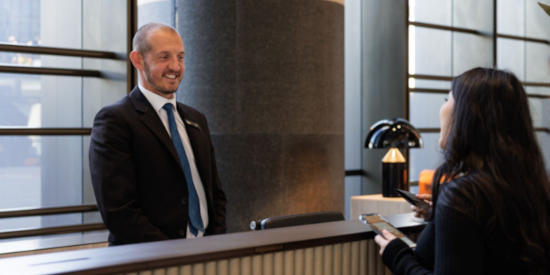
20,21
511,17
41,22
40,171
544,143
98,92
431,84
428,157
537,66
14,224
424,109
160,11
537,90
432,51
470,51
510,56
50,241
104,25
473,14
537,106
540,107
40,101
430,11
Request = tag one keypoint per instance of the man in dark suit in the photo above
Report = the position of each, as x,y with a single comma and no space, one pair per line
151,158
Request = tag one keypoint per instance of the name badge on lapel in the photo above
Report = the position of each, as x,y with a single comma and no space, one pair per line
193,124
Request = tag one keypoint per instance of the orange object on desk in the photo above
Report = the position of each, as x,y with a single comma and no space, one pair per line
425,181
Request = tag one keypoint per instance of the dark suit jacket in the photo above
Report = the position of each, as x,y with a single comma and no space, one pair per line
138,182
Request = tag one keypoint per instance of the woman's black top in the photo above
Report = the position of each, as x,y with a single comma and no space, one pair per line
454,243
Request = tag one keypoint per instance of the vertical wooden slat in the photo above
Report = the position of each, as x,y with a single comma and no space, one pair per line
145,272
246,265
299,262
346,258
173,270
278,263
159,271
327,259
371,257
308,261
222,267
198,269
318,260
380,268
337,266
289,262
234,266
354,264
363,257
256,264
185,270
267,264
210,268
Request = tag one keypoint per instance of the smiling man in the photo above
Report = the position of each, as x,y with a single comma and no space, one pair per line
151,158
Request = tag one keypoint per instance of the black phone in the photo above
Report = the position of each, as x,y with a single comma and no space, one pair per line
412,199
378,223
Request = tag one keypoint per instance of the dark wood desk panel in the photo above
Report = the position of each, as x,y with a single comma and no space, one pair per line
148,256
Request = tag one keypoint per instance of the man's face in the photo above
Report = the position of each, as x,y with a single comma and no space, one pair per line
163,65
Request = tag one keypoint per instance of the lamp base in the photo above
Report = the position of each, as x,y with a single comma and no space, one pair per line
394,175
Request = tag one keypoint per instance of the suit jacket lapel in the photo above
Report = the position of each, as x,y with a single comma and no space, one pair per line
149,117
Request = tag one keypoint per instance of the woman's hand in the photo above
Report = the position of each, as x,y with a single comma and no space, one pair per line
423,212
383,240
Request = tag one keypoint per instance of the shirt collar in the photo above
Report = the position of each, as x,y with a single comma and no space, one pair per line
156,101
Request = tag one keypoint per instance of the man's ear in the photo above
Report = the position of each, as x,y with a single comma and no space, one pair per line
137,60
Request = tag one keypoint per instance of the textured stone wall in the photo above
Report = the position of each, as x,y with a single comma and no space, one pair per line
269,75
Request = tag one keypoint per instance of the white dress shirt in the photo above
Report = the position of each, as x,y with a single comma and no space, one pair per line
157,102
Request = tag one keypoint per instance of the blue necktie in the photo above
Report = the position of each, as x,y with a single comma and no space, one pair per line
195,220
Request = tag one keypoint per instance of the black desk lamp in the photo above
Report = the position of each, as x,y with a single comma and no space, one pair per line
394,134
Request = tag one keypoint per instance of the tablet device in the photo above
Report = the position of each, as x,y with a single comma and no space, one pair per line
411,198
378,223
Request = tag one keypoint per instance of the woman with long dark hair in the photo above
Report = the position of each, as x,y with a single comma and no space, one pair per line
491,195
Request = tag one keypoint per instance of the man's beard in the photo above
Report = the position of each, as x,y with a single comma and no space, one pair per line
149,79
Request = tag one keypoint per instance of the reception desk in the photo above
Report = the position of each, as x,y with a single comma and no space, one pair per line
375,203
343,247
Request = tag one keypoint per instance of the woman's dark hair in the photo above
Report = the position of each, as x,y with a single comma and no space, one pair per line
491,153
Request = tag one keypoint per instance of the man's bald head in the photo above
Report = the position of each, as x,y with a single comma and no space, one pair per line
140,43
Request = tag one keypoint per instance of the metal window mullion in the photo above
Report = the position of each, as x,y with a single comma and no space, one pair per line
49,71
57,51
45,131
16,213
523,38
446,91
445,28
432,77
450,78
52,230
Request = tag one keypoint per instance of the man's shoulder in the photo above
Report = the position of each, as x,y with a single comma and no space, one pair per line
127,102
117,107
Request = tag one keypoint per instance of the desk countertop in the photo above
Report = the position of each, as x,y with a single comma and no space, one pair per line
376,203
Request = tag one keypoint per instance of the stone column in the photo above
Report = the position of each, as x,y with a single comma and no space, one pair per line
269,75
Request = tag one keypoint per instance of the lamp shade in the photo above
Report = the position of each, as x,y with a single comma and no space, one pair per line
546,8
397,132
394,134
